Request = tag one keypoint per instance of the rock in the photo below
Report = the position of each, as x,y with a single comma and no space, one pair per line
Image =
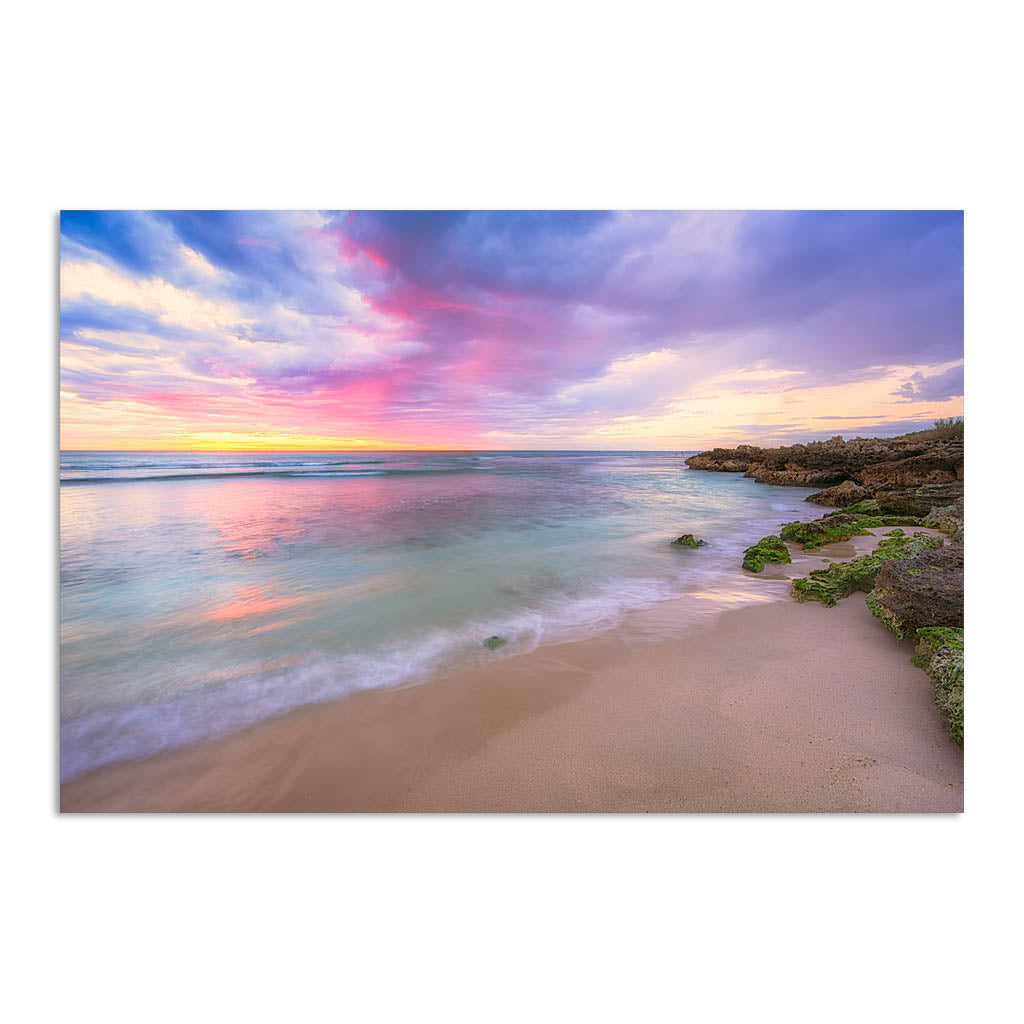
767,549
863,467
868,507
940,652
687,541
950,520
838,526
846,493
841,579
919,501
927,590
723,460
937,467
492,643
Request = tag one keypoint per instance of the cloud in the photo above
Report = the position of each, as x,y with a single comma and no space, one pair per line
486,324
939,386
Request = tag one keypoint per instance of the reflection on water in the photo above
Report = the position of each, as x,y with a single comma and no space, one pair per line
195,602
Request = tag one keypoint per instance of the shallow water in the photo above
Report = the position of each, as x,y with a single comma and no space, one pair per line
201,593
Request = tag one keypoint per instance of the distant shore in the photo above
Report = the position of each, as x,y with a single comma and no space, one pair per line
774,706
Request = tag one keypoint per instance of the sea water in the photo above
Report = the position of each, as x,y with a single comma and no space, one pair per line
204,592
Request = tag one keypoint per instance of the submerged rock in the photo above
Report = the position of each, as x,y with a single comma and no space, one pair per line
687,541
492,643
767,549
924,591
940,652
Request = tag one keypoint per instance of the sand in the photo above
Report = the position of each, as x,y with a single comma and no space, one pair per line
770,706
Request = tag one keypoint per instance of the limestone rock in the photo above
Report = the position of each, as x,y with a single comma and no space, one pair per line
918,592
841,495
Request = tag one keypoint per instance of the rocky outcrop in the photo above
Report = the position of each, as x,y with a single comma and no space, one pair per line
920,592
853,470
725,460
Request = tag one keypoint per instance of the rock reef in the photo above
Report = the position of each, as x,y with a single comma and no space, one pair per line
921,470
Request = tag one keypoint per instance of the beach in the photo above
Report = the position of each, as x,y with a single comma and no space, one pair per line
767,705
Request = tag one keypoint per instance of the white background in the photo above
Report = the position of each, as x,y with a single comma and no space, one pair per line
474,105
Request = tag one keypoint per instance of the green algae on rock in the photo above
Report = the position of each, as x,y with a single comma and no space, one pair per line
687,541
841,579
839,526
940,652
867,507
813,535
767,549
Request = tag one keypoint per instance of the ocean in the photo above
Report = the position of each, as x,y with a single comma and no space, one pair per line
202,593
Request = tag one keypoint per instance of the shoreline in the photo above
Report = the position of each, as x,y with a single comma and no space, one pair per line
749,711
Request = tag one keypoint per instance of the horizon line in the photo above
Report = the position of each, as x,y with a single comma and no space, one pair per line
376,451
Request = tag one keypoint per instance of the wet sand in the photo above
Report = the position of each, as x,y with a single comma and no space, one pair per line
772,706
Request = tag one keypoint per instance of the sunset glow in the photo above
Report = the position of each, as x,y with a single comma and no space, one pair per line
306,331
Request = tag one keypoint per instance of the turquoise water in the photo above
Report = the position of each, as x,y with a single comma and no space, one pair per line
201,593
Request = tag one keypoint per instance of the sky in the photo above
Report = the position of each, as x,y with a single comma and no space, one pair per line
557,330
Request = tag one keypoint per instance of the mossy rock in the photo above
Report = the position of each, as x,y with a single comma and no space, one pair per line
873,522
841,579
949,519
884,615
767,549
940,652
687,541
492,643
868,507
839,526
897,532
926,591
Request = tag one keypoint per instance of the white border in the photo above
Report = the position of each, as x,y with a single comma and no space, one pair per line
538,105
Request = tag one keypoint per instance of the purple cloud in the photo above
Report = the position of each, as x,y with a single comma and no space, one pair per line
938,386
